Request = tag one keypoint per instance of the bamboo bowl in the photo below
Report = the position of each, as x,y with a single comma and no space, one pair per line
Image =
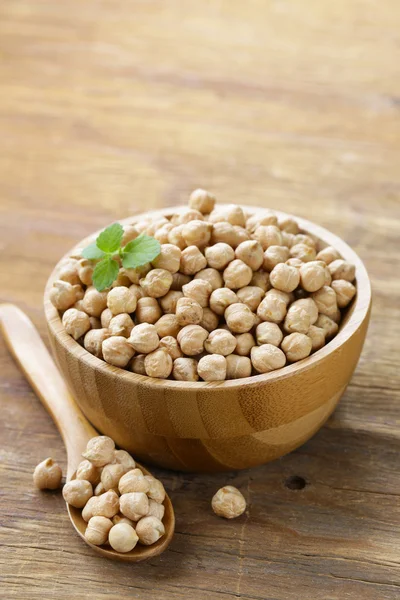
209,427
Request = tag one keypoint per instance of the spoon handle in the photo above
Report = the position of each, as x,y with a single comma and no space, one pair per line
29,351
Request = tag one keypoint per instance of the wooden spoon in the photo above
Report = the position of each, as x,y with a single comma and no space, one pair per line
30,353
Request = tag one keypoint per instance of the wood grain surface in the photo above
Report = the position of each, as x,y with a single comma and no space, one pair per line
109,107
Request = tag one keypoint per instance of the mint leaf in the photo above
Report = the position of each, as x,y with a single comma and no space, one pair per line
140,251
92,252
105,272
109,240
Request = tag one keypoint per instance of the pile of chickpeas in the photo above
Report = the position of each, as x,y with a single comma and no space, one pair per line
120,504
231,294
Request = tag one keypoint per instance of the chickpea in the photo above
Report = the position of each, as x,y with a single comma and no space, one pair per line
210,320
105,318
288,224
187,215
312,276
326,301
167,325
239,318
122,457
130,233
62,295
328,255
296,346
267,358
288,239
110,476
88,472
220,299
342,269
229,213
117,351
261,280
122,279
149,530
133,481
175,236
268,333
251,253
197,233
97,530
121,519
226,233
168,259
237,367
198,290
156,509
144,338
220,342
105,505
142,225
69,272
154,226
328,325
304,252
297,320
148,310
228,502
79,306
274,255
77,492
157,283
211,277
85,272
188,311
192,260
274,306
245,342
75,322
121,324
169,301
156,489
170,345
134,505
257,220
237,275
317,337
212,367
250,295
158,364
135,275
285,278
162,234
100,450
219,255
122,537
178,281
98,491
268,235
302,238
344,290
240,235
93,341
47,475
95,323
137,364
295,262
191,339
185,369
202,201
94,302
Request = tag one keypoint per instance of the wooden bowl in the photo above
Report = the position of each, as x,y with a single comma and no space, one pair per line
206,427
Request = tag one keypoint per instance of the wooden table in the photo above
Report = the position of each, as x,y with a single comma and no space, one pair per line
109,107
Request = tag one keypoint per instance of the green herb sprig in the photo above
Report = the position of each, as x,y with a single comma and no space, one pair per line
107,249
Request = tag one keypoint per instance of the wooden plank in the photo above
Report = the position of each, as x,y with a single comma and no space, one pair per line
112,107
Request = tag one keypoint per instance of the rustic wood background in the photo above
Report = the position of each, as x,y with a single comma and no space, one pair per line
113,106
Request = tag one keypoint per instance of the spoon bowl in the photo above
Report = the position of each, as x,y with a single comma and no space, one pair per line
30,353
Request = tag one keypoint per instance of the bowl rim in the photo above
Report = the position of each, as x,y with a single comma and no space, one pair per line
360,310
